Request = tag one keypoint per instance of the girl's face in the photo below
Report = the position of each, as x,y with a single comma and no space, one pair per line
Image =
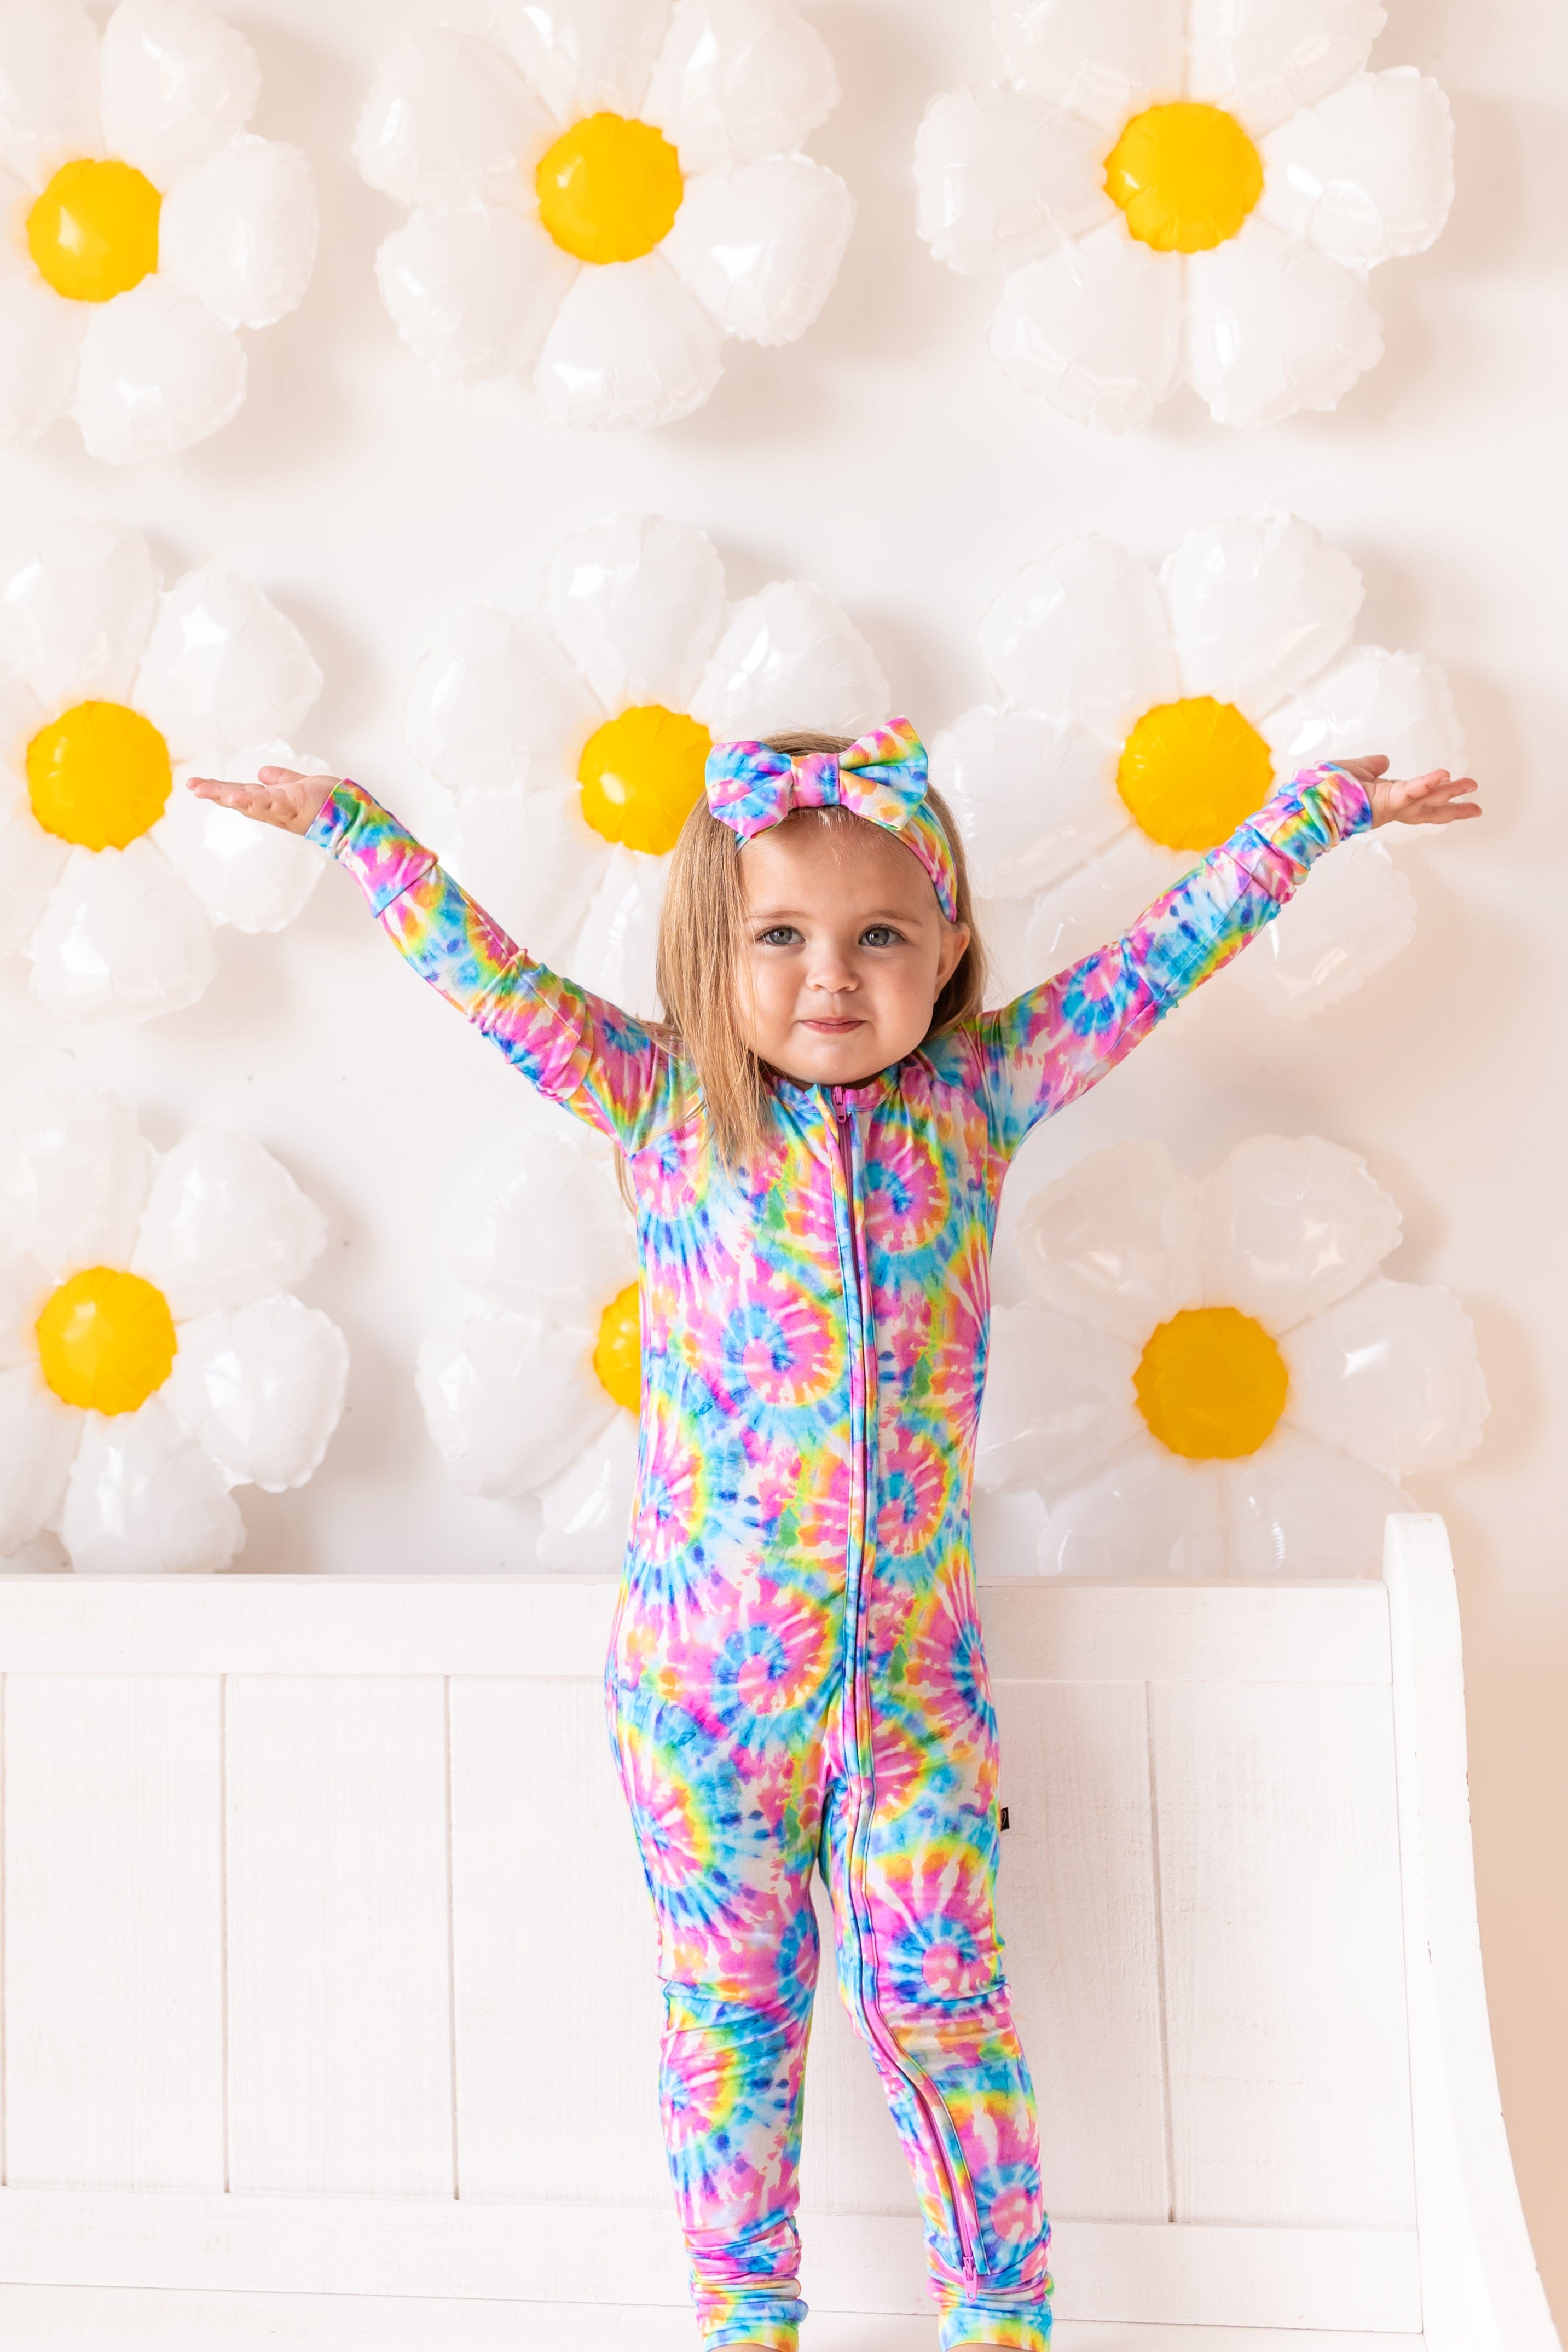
845,949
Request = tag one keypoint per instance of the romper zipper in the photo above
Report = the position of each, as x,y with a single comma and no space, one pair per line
960,2190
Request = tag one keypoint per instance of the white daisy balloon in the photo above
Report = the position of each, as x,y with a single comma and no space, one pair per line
1143,714
575,740
151,1355
111,691
536,1392
141,223
604,193
1188,192
1215,1379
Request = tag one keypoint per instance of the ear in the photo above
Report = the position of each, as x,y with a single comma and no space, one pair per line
955,940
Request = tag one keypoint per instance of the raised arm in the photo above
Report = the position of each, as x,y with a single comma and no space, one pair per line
581,1051
1053,1043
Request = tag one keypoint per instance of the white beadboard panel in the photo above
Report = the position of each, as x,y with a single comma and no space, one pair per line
1279,1865
1049,1632
1076,1904
113,1976
339,2016
556,2004
543,1625
851,2158
1131,2271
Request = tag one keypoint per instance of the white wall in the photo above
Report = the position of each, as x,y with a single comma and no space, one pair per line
886,457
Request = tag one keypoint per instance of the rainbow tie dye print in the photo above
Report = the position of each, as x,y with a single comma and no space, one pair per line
796,1681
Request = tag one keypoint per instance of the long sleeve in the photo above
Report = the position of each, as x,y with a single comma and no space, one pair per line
585,1054
1053,1043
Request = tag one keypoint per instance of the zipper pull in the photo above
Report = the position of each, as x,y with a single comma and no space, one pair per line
839,1113
971,2275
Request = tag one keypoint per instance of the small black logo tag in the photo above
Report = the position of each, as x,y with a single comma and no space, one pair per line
1004,1817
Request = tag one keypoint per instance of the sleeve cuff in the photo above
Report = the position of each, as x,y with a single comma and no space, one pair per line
336,814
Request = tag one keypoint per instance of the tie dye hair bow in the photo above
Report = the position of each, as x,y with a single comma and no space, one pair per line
881,777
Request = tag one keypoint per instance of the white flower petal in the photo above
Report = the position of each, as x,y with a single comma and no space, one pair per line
631,345
1354,913
1151,1513
1005,1530
1274,327
761,245
1291,1224
617,945
1105,58
790,658
637,603
510,1400
739,78
1103,898
74,1175
41,350
122,936
450,121
38,1436
1369,173
178,83
224,666
1095,329
1390,1375
495,705
1117,1241
586,1511
75,617
240,235
585,57
538,1224
1297,1508
25,1288
48,87
530,859
261,1390
158,372
473,294
1059,1399
1265,58
31,864
225,1223
1033,798
1083,635
1002,176
1258,604
1400,702
252,875
145,1499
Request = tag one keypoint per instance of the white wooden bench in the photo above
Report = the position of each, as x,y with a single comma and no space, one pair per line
329,2020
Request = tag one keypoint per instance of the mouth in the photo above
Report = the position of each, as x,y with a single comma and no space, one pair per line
832,1028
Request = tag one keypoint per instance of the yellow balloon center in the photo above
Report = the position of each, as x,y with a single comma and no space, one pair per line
1186,176
618,1351
1211,1383
98,775
641,775
93,233
610,188
1191,771
106,1339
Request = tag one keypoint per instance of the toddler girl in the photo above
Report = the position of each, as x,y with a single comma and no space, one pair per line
815,1138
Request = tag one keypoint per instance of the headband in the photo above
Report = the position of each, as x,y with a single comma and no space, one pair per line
881,777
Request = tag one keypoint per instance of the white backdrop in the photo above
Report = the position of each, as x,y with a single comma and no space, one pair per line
886,457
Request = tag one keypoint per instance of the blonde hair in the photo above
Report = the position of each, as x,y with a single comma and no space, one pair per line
701,936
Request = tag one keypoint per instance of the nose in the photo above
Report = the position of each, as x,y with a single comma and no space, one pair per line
831,973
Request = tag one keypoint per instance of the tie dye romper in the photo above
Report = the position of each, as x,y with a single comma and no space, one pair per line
796,1680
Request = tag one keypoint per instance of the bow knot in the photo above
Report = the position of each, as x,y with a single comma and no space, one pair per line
881,777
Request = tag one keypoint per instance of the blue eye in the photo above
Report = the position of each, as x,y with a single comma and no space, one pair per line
783,935
879,935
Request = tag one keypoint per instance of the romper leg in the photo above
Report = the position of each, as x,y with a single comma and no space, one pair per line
725,1852
910,1853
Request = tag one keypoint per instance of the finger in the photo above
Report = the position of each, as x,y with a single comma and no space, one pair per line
282,775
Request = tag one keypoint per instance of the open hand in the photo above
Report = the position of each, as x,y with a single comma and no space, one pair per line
1435,798
280,796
